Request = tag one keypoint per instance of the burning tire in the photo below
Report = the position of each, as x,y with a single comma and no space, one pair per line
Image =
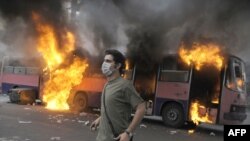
27,97
80,102
22,95
173,115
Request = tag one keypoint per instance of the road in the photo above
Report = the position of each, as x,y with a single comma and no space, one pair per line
36,123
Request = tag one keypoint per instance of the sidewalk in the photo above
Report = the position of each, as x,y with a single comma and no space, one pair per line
4,98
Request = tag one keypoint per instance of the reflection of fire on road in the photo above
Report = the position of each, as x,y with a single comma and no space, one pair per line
65,70
207,60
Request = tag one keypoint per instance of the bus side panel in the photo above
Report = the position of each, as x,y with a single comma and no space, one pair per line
171,91
10,80
232,107
91,85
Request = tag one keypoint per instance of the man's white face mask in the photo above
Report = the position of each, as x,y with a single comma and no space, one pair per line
106,69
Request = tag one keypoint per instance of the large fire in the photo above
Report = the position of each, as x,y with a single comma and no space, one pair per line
64,72
202,54
198,113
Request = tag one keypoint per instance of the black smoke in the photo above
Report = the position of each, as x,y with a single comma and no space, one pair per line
18,35
147,30
163,24
50,10
144,30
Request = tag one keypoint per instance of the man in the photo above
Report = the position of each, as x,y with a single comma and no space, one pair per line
120,98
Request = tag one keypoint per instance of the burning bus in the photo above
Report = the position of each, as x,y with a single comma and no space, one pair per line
199,84
206,87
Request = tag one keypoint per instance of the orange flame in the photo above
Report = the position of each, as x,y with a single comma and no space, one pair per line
240,83
201,55
197,115
215,100
127,65
57,89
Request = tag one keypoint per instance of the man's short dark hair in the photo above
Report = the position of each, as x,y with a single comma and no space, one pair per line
118,58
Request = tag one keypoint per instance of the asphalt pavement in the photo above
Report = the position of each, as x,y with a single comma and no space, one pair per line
36,123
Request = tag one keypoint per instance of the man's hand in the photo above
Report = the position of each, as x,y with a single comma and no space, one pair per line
123,137
95,124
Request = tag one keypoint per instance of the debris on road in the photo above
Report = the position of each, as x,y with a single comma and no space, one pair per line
81,121
212,134
55,138
59,121
191,131
25,121
86,123
143,126
38,102
65,119
83,114
173,132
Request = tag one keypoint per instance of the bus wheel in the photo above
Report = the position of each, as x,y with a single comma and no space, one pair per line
80,102
173,115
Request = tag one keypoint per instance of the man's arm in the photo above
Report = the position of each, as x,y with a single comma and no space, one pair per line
140,111
139,114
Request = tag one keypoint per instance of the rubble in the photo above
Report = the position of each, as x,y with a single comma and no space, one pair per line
55,138
86,123
81,121
212,134
59,121
173,132
25,121
191,131
143,126
83,114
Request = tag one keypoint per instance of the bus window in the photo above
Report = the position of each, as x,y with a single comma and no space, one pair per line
173,70
239,76
174,76
236,76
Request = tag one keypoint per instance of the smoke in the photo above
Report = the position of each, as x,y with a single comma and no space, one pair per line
144,31
171,22
148,30
101,25
17,30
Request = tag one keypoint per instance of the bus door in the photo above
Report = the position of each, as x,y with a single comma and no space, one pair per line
145,84
204,94
233,97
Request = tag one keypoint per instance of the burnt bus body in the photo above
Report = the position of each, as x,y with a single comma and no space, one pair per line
170,88
222,97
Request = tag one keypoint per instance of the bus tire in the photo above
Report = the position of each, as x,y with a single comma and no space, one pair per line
173,115
80,103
